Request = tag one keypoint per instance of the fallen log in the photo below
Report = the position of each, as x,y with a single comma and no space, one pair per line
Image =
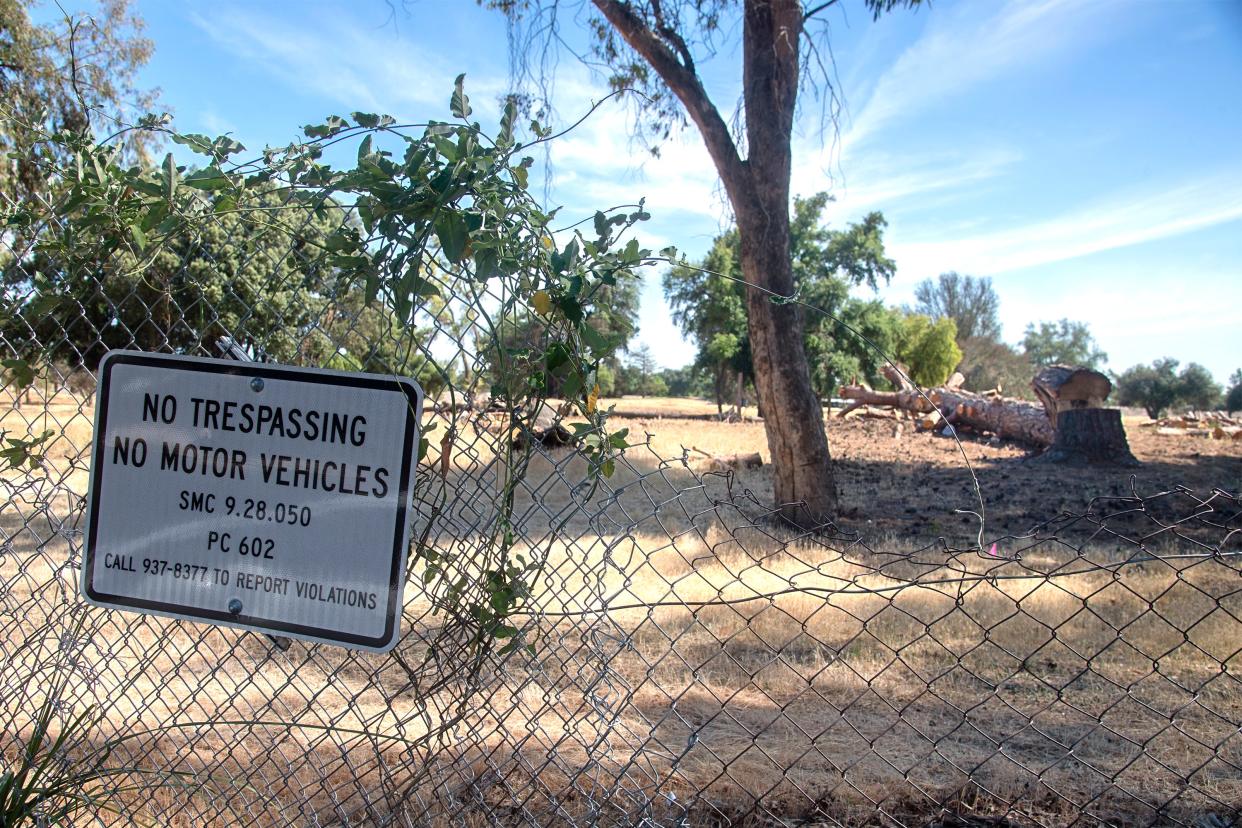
1069,425
546,428
725,462
1009,419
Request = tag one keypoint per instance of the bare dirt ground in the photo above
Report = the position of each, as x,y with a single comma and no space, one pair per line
693,665
900,483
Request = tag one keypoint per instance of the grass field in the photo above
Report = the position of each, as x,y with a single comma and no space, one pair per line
695,661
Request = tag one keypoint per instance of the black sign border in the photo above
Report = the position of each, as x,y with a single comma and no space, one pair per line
413,393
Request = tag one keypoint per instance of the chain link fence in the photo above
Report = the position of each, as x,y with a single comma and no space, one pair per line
692,660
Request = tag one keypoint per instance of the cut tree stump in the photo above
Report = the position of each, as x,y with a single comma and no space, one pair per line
1086,433
1090,436
546,429
1064,387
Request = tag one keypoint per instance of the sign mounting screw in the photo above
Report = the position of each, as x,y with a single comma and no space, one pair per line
235,606
257,383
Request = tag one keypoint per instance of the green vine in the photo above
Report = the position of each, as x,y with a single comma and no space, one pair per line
432,216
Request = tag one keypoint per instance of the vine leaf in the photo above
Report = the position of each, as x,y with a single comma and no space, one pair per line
460,104
453,234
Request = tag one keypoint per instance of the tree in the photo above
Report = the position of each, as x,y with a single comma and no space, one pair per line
1197,389
1062,343
970,302
928,349
1159,387
851,345
650,46
244,274
77,76
688,381
1151,387
990,364
1233,399
843,336
645,364
708,304
614,313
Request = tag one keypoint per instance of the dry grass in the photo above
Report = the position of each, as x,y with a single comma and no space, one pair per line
685,647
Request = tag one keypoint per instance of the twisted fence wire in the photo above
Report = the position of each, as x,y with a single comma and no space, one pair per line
694,660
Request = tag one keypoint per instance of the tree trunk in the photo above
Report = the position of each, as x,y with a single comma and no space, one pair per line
719,389
1086,432
1090,436
758,190
793,420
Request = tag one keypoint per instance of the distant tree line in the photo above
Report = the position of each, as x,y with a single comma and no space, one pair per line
953,325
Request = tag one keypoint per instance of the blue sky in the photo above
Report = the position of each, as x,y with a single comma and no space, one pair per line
1085,155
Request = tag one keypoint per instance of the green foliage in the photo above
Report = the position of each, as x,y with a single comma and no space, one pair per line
1159,387
688,381
18,374
1062,343
1197,389
16,452
723,347
244,274
445,229
928,349
988,364
708,300
1233,399
606,379
1153,388
838,355
708,304
970,302
72,75
845,337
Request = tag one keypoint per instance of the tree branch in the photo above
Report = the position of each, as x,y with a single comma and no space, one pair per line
671,35
682,80
808,15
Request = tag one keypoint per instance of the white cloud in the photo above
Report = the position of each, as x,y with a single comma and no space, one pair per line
338,58
962,47
597,165
1120,220
877,180
215,124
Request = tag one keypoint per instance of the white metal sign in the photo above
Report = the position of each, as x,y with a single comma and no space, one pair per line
251,495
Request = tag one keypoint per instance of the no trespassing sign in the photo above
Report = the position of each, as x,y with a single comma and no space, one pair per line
251,495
